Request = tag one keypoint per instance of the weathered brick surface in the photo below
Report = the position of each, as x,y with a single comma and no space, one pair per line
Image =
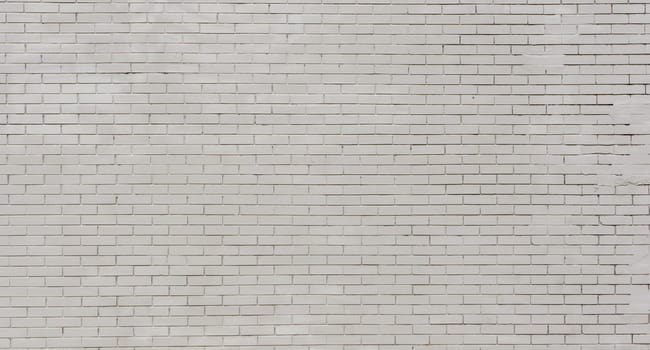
332,175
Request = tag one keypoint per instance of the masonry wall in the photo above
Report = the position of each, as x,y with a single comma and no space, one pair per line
329,175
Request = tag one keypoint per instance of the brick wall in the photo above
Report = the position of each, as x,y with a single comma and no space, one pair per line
329,175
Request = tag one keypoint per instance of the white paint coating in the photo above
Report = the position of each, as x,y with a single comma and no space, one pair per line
328,175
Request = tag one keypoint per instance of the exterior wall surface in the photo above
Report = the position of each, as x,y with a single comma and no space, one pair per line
326,175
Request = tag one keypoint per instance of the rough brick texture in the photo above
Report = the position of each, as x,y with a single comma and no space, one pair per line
331,175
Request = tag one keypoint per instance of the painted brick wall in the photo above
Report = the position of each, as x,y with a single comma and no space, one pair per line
333,174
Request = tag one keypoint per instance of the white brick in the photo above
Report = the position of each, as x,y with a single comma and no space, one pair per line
394,175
